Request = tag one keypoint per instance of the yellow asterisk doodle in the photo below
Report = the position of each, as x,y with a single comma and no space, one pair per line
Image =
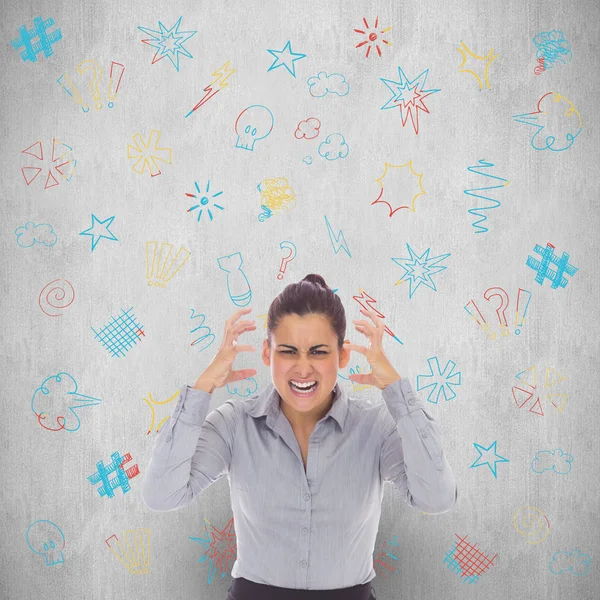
387,200
147,155
477,66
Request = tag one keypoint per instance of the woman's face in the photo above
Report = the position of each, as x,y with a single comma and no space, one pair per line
305,349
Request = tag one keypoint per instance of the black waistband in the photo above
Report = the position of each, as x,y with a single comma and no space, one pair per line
244,589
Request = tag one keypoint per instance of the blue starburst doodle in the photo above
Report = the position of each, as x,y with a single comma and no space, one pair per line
419,269
99,230
204,200
440,382
408,96
283,57
168,42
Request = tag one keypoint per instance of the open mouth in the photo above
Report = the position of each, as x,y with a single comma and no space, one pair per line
303,393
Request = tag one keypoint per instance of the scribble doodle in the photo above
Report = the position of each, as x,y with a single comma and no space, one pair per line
62,162
419,269
146,155
490,458
119,335
221,548
220,77
540,66
408,96
382,556
532,523
168,42
552,48
490,202
57,400
543,267
44,44
487,60
160,266
134,554
204,200
441,381
527,390
381,200
556,114
205,329
46,539
276,195
372,35
56,298
283,58
107,484
467,561
100,229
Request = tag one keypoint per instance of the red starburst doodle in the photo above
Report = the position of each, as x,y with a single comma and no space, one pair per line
373,36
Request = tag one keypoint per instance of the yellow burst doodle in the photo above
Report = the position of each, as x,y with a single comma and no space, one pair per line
151,402
160,267
380,181
488,58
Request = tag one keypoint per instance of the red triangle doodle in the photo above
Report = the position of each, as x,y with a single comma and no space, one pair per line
48,179
37,172
40,154
526,393
537,408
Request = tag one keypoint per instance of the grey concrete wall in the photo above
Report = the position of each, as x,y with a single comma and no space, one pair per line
482,186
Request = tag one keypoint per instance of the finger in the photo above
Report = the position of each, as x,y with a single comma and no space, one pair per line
357,348
365,328
244,348
371,314
236,315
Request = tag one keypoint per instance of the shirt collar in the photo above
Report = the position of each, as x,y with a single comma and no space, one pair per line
267,403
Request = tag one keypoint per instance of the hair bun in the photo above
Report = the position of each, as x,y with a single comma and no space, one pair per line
316,279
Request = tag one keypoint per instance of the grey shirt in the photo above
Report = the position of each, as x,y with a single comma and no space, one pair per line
295,529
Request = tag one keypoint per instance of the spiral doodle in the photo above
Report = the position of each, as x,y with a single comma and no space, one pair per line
56,297
533,523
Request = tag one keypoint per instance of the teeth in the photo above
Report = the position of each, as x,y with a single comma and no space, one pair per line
303,386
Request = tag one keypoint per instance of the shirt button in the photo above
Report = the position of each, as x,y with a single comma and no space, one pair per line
168,438
304,530
307,496
303,563
411,401
424,434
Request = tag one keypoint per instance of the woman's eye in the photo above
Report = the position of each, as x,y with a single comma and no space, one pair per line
291,351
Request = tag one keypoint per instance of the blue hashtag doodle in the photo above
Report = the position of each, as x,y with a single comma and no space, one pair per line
44,44
120,334
543,266
108,485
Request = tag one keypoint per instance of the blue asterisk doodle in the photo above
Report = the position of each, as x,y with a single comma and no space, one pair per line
168,43
419,269
289,54
99,230
491,463
439,381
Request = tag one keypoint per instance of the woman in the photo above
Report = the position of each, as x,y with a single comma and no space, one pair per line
305,463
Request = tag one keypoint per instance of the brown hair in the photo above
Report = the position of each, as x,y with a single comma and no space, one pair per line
311,295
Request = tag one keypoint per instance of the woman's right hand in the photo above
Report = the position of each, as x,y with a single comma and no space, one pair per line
220,372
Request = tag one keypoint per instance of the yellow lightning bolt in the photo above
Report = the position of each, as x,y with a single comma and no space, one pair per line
220,75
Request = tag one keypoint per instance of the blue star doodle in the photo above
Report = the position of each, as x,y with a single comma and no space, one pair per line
168,43
289,54
420,268
491,464
408,96
99,230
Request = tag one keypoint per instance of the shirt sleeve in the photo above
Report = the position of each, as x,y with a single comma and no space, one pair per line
412,457
192,450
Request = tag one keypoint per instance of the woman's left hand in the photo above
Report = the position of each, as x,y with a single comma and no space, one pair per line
382,372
